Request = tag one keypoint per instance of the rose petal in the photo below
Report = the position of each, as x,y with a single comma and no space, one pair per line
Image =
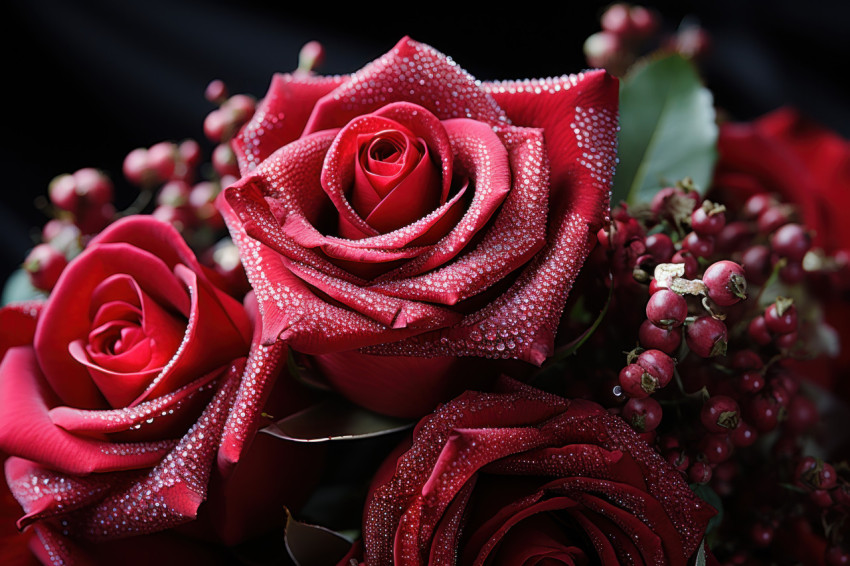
27,430
139,416
411,72
280,117
578,116
45,493
17,324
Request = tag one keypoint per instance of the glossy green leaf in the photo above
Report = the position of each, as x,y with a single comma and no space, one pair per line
700,557
335,419
18,288
667,129
310,545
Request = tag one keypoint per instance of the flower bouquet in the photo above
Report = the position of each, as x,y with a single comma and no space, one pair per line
403,316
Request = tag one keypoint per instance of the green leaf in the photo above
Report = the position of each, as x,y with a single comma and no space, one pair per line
700,558
335,419
667,129
18,288
310,545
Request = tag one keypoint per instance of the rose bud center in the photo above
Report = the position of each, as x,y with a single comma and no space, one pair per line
395,180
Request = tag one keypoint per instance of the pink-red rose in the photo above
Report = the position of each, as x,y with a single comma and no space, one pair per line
131,387
409,210
519,476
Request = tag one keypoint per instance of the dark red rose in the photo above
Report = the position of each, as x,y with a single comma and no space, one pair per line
410,211
130,389
803,162
519,476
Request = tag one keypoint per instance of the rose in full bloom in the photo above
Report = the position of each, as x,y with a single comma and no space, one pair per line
410,211
519,476
131,387
808,166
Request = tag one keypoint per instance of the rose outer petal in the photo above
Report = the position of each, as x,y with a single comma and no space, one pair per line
410,72
280,117
27,430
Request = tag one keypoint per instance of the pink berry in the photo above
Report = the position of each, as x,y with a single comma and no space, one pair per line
137,168
656,338
725,283
215,125
781,316
690,261
44,264
660,246
94,186
815,474
216,91
311,56
699,245
707,337
63,193
751,382
616,19
758,331
720,414
666,309
762,535
636,382
643,415
715,448
174,194
708,220
700,472
791,241
746,360
744,435
772,218
801,416
224,160
734,236
162,159
756,263
757,204
658,364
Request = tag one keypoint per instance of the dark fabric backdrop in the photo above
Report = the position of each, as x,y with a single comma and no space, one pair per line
86,81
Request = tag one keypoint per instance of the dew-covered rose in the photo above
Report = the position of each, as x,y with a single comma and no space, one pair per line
409,211
519,476
131,388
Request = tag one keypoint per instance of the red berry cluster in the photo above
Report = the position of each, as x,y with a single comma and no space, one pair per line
723,313
630,31
166,173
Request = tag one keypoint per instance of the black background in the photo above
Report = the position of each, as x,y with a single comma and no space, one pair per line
86,81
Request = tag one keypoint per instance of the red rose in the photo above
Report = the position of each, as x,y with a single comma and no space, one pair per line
122,392
519,476
808,166
803,162
409,210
